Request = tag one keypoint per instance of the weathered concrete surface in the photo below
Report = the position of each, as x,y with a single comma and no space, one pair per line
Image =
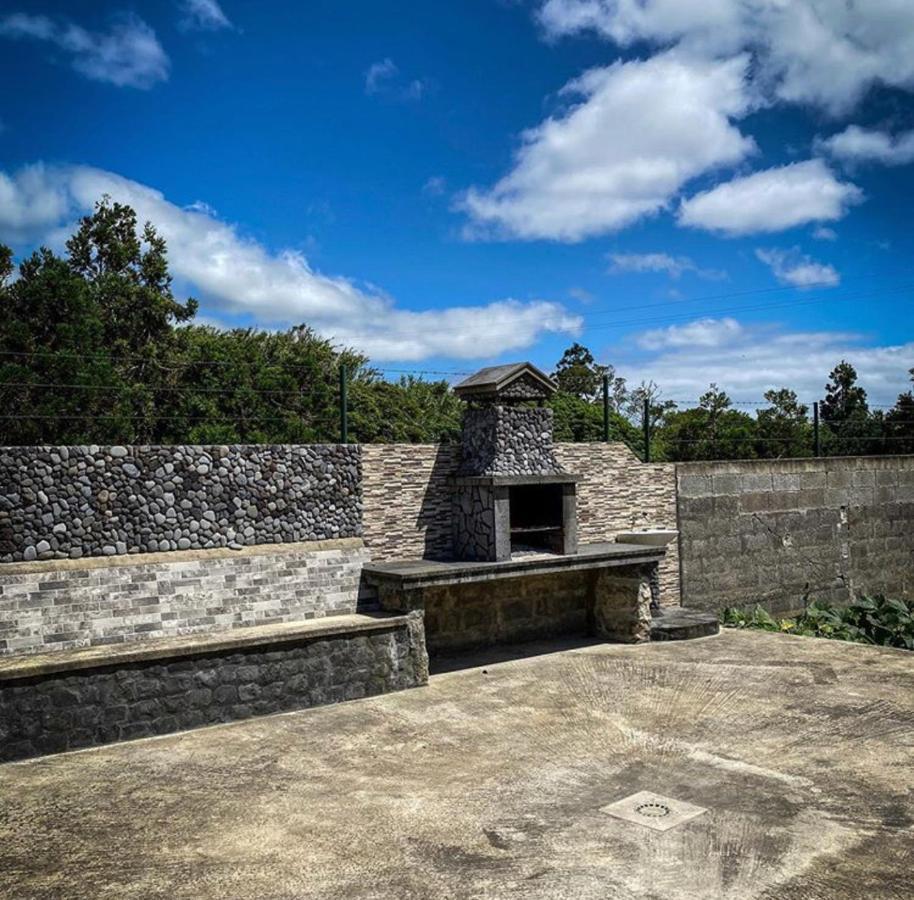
488,784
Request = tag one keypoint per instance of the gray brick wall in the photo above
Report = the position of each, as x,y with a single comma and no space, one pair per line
407,503
67,604
772,532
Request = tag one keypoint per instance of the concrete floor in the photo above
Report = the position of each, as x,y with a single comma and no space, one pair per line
489,783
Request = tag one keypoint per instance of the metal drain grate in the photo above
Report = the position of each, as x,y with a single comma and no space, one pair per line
653,811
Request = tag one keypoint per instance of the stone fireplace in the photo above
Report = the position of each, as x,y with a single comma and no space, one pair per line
516,571
511,495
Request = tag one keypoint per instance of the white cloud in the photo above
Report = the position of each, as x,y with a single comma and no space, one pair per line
235,274
31,202
795,268
674,266
822,52
582,295
641,130
753,359
127,55
771,200
706,332
384,78
203,15
857,145
435,186
822,233
379,74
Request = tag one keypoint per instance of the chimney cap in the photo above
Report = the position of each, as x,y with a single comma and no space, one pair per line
511,382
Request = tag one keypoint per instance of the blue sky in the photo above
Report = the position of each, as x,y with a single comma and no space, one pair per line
697,191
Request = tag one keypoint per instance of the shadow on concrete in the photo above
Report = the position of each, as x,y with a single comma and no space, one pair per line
439,664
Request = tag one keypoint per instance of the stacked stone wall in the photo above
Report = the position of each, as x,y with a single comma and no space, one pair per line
69,604
74,502
408,512
781,533
620,491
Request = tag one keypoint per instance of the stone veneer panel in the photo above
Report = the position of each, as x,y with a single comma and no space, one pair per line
407,500
775,531
60,502
407,511
620,490
81,708
68,604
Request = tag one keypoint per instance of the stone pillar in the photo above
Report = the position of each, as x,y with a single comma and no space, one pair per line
569,519
622,603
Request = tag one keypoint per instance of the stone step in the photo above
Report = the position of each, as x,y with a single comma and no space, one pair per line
680,624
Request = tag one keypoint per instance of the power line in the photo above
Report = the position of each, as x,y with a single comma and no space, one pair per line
627,323
747,293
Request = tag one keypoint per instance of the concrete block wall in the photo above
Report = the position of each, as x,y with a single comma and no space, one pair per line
59,605
775,531
407,508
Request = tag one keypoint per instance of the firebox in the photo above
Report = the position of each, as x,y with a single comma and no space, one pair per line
535,517
511,495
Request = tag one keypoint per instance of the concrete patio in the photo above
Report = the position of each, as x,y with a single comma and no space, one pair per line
489,783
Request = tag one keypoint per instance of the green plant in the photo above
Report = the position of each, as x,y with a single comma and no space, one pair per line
887,622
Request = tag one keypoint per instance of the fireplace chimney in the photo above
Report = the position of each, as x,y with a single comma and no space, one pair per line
511,495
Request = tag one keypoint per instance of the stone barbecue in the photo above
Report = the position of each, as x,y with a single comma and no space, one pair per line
511,494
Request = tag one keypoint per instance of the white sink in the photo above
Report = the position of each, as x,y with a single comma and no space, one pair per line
653,537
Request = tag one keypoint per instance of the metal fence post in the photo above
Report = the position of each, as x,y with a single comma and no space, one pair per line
344,403
646,423
816,444
606,408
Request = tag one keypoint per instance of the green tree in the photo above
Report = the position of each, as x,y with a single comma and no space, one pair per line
899,423
850,429
712,430
783,427
578,373
575,419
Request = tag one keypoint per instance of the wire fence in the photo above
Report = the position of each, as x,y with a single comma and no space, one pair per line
654,431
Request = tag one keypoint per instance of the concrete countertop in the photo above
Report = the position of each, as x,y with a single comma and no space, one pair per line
92,657
418,573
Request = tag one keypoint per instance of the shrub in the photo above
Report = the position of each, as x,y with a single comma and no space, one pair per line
868,620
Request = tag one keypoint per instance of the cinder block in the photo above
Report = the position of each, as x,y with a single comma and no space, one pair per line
695,486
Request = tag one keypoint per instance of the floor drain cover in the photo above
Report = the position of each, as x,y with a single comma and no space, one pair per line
653,811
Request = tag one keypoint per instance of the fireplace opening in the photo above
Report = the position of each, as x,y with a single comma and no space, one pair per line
536,522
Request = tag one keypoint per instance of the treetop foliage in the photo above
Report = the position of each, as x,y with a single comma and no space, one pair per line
96,348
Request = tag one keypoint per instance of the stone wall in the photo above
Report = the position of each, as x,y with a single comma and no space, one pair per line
618,491
59,605
72,502
408,513
72,708
507,440
776,532
465,616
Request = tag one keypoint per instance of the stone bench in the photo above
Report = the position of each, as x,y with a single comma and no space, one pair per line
603,589
79,698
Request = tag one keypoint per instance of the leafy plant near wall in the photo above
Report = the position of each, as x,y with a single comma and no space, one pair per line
878,620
